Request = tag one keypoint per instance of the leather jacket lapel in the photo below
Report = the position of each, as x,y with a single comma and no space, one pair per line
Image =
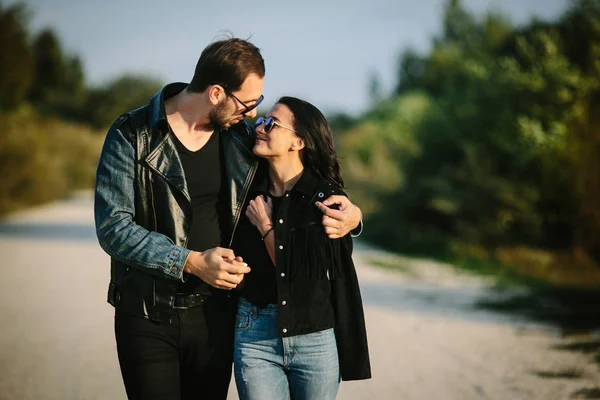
240,165
165,161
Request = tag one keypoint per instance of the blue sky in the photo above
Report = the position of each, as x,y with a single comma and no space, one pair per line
319,50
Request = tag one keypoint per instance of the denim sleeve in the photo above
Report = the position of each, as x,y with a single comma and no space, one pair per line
114,209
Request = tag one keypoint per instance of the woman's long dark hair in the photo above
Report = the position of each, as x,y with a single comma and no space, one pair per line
319,153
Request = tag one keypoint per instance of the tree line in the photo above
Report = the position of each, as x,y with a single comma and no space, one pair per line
53,120
490,141
35,70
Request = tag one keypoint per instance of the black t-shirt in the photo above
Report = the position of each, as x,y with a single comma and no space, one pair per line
260,286
202,169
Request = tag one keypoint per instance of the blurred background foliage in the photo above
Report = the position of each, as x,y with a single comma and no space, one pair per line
53,121
486,153
489,148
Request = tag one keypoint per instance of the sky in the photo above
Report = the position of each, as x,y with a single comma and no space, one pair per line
319,50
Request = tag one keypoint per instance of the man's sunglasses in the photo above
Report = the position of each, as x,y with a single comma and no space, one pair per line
269,123
247,109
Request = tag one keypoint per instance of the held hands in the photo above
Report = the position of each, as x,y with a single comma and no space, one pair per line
219,267
338,223
259,213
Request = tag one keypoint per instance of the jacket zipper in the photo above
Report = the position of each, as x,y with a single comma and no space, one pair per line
153,219
246,190
151,189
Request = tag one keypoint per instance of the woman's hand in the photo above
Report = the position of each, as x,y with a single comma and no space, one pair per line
259,213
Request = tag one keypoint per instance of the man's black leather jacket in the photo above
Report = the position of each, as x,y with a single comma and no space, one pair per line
142,205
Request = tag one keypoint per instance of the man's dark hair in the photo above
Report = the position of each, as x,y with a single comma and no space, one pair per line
228,63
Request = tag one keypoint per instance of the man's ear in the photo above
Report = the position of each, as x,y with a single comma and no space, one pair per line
215,94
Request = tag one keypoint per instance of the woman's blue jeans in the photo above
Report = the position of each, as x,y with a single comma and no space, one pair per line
267,366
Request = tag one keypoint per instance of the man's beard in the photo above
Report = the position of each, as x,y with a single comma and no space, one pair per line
220,116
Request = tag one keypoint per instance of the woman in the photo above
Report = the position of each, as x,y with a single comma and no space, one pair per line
300,324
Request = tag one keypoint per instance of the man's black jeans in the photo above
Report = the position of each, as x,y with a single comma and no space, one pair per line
188,359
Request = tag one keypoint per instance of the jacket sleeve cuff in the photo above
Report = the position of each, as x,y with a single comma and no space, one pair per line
358,230
184,276
177,260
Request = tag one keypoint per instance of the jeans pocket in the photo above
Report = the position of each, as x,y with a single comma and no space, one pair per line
242,321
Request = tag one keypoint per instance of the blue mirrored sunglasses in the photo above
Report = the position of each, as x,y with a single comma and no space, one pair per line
269,123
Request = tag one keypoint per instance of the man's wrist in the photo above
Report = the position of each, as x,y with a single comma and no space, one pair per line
193,262
186,267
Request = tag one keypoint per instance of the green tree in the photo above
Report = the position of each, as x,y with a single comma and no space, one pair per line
411,67
59,84
506,146
580,30
16,60
104,104
74,78
49,67
376,94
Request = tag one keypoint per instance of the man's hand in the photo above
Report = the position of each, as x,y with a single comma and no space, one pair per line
218,267
338,223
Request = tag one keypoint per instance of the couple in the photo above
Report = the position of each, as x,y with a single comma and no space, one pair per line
228,242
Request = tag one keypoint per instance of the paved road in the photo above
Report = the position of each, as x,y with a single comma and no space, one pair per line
427,341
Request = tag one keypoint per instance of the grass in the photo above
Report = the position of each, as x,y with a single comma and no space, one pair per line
394,265
533,268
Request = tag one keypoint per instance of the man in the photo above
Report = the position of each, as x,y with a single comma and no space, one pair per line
171,182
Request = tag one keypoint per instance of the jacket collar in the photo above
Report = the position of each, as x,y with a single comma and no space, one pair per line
306,185
158,115
163,156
